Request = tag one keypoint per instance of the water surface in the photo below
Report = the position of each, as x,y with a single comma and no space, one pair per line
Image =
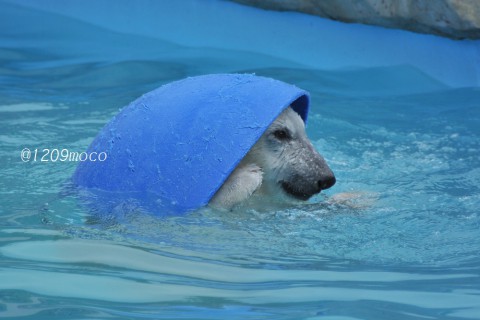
408,248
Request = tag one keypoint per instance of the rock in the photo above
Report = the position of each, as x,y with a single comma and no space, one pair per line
457,19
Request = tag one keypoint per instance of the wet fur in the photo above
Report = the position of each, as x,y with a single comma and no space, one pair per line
283,164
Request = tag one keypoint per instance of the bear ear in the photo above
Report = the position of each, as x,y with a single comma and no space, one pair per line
301,106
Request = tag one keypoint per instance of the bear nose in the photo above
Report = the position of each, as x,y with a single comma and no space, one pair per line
326,182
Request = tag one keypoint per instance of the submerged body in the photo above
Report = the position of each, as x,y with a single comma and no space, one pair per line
282,163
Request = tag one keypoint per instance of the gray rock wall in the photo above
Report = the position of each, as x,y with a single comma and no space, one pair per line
457,19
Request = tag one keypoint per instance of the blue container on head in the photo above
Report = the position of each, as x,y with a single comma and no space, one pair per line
170,150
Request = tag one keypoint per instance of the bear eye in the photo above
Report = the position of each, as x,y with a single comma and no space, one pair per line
282,134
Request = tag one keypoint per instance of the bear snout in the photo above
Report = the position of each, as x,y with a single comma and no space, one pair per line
303,188
305,183
326,182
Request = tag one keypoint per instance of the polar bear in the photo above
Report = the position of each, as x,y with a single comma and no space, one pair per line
282,164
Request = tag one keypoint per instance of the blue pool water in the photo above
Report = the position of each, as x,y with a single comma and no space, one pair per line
407,144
